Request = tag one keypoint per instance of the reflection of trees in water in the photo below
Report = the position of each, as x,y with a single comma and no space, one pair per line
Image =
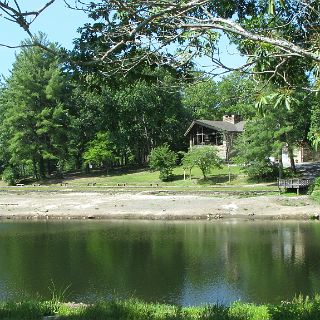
270,260
106,260
264,260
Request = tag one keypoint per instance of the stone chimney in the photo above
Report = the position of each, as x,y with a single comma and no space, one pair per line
232,118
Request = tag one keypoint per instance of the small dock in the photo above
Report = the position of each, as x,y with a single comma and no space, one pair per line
294,183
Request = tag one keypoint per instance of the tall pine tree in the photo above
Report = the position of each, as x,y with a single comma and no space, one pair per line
34,113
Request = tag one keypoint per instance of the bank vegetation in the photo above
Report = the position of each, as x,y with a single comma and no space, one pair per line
299,308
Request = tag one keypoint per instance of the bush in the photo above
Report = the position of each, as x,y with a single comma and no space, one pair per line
314,190
164,160
261,170
9,176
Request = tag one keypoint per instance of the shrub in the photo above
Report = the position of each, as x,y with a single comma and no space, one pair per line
261,170
164,160
9,176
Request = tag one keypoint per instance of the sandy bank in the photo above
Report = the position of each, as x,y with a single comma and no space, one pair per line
68,205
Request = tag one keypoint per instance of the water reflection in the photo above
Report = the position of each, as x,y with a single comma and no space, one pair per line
181,263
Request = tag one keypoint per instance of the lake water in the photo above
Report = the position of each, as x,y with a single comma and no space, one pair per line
184,263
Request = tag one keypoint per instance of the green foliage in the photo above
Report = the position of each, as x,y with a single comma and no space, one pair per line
298,309
9,176
31,310
284,100
234,94
150,114
254,147
88,105
205,158
33,110
164,160
237,94
314,131
254,17
100,150
248,311
201,99
281,121
315,190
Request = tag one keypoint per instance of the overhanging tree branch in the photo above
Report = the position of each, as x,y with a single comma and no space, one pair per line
154,21
23,19
158,26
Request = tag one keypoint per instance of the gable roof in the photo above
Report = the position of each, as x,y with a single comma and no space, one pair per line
218,125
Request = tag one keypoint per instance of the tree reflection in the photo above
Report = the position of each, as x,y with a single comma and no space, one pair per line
166,262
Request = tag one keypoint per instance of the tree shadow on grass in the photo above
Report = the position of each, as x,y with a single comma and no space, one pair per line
220,178
176,177
71,176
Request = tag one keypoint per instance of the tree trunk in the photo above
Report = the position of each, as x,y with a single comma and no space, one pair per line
60,167
78,161
280,165
229,172
292,163
35,171
49,169
42,171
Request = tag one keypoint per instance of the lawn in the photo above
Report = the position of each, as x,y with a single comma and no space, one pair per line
145,177
140,178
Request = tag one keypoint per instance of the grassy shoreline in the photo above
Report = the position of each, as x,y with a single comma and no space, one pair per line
299,308
144,178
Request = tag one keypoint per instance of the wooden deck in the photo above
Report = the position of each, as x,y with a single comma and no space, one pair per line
295,183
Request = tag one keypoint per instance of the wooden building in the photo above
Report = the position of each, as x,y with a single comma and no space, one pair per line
222,134
216,133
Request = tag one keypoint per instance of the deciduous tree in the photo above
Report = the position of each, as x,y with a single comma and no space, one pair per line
205,158
99,151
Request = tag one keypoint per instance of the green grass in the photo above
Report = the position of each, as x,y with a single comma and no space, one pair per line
298,309
144,178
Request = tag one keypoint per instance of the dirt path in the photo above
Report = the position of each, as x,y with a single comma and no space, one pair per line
47,205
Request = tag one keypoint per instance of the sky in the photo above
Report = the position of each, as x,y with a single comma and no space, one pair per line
58,22
61,24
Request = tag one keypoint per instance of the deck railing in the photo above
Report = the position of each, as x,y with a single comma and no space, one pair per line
295,183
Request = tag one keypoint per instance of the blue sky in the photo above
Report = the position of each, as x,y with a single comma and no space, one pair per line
61,24
58,22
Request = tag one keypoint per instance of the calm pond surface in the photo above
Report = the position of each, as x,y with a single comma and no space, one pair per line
185,263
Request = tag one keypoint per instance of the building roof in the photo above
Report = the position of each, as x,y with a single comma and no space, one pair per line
218,125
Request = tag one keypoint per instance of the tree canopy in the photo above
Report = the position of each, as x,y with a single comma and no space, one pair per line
131,83
271,33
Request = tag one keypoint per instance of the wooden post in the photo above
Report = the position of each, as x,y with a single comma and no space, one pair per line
184,174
